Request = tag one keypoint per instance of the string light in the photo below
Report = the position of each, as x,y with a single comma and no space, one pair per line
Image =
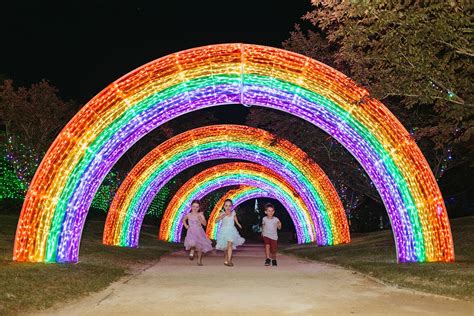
325,209
106,192
56,205
11,187
17,166
157,206
228,174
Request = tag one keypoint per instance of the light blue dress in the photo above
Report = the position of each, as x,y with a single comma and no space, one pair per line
228,232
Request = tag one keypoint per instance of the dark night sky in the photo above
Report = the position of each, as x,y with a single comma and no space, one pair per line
82,47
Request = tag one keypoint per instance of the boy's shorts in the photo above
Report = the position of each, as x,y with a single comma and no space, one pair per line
272,242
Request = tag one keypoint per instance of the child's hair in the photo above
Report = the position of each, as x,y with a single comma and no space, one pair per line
196,202
269,205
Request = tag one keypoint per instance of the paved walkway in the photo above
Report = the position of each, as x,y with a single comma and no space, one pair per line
177,286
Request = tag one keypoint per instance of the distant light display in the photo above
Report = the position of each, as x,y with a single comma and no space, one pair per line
17,166
158,205
11,187
106,192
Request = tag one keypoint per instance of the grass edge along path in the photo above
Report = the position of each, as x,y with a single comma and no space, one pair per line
36,286
373,254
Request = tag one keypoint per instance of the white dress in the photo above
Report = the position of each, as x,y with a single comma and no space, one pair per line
228,232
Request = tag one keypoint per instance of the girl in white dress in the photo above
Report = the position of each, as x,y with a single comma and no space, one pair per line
228,238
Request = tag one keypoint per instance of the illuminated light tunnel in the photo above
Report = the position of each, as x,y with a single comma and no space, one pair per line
57,202
238,196
153,171
230,174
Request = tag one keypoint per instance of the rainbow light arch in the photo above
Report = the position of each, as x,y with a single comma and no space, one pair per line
238,196
230,174
55,207
178,153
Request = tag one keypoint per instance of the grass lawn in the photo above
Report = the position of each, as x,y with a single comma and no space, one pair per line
26,286
374,254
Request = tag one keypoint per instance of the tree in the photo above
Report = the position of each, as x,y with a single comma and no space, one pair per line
35,115
162,133
31,119
345,173
415,56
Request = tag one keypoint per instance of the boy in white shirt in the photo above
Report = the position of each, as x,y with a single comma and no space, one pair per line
270,225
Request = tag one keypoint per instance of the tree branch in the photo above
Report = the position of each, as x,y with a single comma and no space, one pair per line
458,50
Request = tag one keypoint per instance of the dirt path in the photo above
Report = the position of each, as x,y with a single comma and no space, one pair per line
176,286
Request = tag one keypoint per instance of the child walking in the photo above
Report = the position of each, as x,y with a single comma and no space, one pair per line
196,239
270,226
228,238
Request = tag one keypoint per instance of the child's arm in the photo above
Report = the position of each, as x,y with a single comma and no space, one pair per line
221,216
237,221
185,223
202,219
279,224
263,225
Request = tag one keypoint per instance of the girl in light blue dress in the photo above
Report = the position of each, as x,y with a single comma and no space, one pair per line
228,237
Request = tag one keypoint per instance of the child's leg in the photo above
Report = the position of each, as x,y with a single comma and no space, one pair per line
199,257
268,247
226,254
267,250
274,245
229,251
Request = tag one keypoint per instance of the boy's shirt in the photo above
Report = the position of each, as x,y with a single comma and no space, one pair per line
270,227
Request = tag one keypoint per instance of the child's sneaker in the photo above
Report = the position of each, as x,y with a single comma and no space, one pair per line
267,262
274,263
